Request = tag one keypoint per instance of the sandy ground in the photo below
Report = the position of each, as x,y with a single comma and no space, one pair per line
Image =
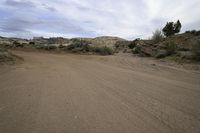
50,93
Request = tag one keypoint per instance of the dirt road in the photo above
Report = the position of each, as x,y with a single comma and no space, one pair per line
50,93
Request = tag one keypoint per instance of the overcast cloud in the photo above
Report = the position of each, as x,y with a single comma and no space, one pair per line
89,18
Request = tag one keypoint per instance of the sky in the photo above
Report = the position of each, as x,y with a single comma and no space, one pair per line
128,19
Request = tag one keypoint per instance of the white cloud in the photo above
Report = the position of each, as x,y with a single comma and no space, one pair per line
123,18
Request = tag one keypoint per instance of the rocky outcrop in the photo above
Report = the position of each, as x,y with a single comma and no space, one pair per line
145,48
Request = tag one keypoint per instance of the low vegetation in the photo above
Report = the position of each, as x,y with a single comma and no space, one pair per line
86,48
5,56
157,36
171,47
194,32
104,50
196,50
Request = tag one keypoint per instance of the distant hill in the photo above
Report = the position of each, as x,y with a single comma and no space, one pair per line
109,41
106,41
98,41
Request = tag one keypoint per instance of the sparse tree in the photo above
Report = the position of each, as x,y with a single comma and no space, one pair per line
177,27
171,28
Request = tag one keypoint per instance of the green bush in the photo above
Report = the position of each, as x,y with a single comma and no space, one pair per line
157,36
196,49
32,43
171,47
17,44
132,45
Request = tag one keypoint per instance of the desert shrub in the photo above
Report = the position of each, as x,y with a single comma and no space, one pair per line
2,48
61,46
87,48
32,43
73,46
157,36
77,50
125,50
17,44
6,45
120,45
75,40
40,46
136,50
196,49
25,45
132,45
50,47
45,47
5,56
198,32
80,41
193,31
103,50
81,47
187,31
117,45
171,47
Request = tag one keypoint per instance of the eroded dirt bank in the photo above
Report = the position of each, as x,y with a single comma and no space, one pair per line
51,93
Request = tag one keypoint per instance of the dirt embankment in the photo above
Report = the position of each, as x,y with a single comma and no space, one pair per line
94,94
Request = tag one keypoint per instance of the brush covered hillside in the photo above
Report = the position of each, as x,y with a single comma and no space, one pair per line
104,45
106,41
98,41
180,46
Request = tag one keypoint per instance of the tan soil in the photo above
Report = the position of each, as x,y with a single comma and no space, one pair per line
50,93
